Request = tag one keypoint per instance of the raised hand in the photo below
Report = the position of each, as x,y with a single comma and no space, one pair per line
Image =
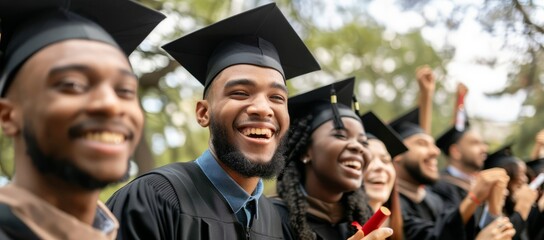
425,79
496,198
524,197
486,181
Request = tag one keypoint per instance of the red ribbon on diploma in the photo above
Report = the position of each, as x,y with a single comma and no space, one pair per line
374,222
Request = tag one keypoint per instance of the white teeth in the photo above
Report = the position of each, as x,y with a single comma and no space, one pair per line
352,164
376,181
105,137
257,131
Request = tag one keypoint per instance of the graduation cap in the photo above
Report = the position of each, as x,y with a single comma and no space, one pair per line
501,157
261,37
407,124
27,26
376,129
318,103
536,165
450,137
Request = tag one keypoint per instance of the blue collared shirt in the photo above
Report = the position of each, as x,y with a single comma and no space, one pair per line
245,206
458,174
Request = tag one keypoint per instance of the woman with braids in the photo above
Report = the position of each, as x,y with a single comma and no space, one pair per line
320,188
379,176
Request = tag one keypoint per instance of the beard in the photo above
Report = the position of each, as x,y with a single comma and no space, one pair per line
63,168
233,158
471,164
415,172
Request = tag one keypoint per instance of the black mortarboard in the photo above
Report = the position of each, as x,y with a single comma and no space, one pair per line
317,102
501,157
27,26
407,124
377,129
449,137
536,165
261,36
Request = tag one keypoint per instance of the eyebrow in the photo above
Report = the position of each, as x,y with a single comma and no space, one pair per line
251,83
84,68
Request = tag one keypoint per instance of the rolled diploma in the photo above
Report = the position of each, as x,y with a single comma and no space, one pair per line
374,222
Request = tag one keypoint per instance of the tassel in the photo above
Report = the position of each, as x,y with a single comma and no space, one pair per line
460,117
338,124
356,105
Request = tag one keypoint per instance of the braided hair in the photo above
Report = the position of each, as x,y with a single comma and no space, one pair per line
290,182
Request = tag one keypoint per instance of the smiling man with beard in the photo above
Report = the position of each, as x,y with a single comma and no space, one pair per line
424,213
466,152
243,63
234,159
69,103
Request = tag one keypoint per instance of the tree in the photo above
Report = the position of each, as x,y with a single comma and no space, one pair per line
518,25
383,62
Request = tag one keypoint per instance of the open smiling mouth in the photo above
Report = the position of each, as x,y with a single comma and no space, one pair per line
260,133
352,164
105,137
375,181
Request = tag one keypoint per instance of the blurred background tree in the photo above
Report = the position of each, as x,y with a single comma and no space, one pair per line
519,28
348,41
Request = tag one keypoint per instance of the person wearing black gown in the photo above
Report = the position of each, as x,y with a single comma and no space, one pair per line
520,203
243,63
466,152
68,102
424,214
320,189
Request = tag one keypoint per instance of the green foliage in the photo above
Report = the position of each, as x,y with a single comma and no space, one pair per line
383,62
6,154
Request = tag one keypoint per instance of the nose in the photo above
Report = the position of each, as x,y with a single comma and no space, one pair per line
260,106
435,150
375,165
355,146
358,148
104,100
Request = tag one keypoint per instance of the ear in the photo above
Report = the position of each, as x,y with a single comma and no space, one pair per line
203,113
398,158
307,157
454,151
8,120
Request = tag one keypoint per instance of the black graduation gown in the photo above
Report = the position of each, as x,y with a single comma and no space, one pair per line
535,229
322,228
449,190
178,201
430,220
530,228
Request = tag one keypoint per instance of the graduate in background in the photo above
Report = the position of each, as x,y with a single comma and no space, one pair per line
424,213
519,205
380,175
327,150
534,168
465,152
243,63
69,102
